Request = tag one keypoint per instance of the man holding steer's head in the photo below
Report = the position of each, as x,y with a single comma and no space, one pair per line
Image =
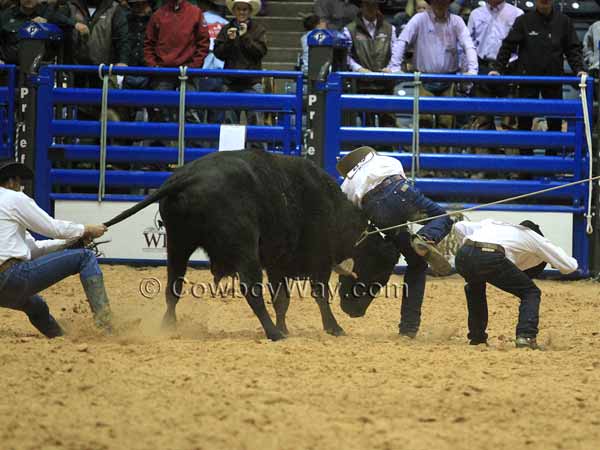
377,184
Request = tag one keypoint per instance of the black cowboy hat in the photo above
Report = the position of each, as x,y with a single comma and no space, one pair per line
349,162
532,226
10,168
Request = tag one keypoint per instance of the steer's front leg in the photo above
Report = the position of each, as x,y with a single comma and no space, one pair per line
320,292
252,288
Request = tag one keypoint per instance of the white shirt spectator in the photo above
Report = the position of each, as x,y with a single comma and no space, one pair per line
522,246
19,213
489,25
436,43
367,174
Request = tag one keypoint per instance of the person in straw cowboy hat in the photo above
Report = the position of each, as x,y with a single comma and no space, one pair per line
377,184
242,44
28,266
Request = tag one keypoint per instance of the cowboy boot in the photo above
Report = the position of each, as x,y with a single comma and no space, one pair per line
427,250
98,300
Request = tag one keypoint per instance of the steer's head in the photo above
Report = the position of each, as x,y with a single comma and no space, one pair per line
374,260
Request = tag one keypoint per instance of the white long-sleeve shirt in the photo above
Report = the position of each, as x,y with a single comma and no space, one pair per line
522,246
367,174
18,214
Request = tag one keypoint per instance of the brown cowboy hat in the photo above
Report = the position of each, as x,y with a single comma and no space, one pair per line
10,168
349,162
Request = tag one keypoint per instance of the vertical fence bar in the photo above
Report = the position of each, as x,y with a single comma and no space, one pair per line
12,84
44,83
299,109
580,241
332,121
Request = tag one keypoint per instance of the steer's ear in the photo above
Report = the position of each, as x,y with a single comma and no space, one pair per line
346,267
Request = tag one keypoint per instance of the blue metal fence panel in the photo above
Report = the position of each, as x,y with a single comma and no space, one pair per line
459,138
461,105
7,111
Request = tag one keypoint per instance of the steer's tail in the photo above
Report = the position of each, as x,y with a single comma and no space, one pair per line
174,184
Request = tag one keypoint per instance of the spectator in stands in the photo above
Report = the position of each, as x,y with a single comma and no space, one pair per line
242,44
335,14
436,36
215,22
108,42
72,41
542,38
177,35
13,18
374,41
489,24
590,48
309,23
138,16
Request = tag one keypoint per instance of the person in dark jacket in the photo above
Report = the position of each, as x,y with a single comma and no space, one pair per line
242,44
542,38
12,19
138,16
108,42
373,41
176,35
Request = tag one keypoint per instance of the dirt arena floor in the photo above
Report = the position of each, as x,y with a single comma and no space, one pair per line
217,383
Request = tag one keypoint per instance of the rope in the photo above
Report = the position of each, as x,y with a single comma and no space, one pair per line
366,234
103,129
416,162
181,132
588,137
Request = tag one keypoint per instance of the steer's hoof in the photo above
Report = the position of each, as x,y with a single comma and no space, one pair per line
337,331
276,335
169,323
283,330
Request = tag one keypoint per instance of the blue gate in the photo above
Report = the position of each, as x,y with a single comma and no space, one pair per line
7,111
59,133
546,171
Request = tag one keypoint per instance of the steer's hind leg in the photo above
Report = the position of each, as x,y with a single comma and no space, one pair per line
320,292
177,259
280,299
251,285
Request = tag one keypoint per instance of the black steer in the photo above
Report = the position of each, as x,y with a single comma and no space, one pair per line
251,210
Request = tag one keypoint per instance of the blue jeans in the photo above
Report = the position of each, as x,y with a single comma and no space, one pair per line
479,267
399,203
396,204
20,284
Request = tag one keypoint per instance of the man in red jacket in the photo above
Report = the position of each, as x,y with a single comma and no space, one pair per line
177,35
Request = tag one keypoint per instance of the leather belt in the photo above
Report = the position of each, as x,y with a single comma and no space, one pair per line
485,245
385,183
8,264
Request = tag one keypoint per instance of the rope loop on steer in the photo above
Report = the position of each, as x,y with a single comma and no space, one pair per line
181,130
103,129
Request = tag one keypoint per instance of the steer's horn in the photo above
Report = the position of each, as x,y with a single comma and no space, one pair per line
346,267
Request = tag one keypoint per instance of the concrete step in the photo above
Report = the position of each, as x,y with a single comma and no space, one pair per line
278,65
284,39
289,9
282,54
273,24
